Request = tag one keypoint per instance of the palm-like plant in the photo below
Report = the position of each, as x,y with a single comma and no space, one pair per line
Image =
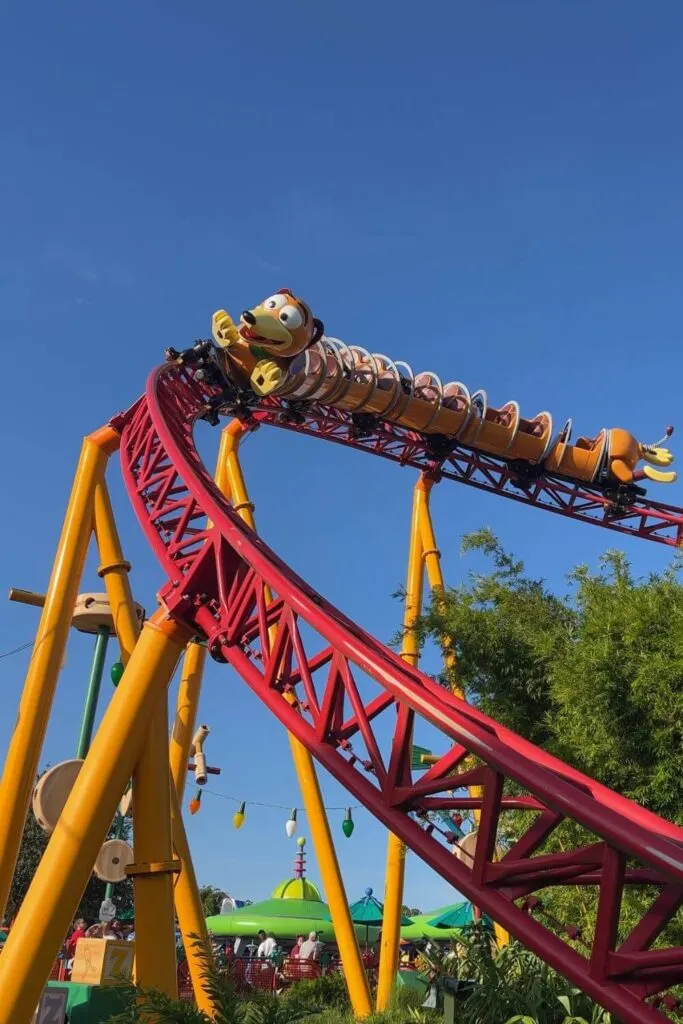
510,984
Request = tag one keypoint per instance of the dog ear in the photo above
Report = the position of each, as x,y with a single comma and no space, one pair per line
318,330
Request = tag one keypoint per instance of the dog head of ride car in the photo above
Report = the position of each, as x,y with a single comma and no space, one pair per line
282,325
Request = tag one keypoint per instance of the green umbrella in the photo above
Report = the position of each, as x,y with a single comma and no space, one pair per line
370,912
457,916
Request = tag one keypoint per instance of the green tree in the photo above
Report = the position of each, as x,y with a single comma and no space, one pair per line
212,899
595,676
33,844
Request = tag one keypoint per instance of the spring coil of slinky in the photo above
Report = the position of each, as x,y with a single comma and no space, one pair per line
351,378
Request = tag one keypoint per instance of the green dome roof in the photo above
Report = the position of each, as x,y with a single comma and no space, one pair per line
297,889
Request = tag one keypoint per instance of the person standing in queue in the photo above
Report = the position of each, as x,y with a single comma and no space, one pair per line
311,948
267,946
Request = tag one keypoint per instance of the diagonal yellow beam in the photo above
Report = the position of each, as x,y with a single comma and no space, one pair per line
65,867
192,670
21,763
345,934
159,825
394,877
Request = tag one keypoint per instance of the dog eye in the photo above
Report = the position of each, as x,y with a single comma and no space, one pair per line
275,302
291,317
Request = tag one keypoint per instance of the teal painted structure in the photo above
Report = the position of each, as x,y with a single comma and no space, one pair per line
90,1004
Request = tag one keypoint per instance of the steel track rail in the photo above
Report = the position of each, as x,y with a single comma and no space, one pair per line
358,704
619,512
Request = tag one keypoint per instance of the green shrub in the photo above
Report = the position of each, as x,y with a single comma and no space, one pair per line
318,994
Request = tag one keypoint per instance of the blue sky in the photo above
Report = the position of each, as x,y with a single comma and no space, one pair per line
491,191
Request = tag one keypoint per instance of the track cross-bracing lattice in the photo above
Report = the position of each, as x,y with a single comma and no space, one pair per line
637,516
358,706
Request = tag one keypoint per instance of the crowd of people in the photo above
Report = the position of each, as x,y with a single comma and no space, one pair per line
310,948
303,949
267,947
100,930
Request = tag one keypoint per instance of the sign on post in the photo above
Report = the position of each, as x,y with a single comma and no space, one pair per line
52,1006
107,911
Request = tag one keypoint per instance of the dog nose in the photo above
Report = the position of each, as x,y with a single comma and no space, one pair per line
249,317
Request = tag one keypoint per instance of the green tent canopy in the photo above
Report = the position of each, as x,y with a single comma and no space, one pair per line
370,911
457,916
423,927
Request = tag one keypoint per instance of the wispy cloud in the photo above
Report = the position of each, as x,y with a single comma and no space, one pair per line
75,261
65,276
258,261
70,259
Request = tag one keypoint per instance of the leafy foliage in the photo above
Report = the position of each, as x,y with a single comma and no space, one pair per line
510,984
595,676
315,994
212,899
505,629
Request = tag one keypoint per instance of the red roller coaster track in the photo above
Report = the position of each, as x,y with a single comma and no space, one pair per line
218,584
650,520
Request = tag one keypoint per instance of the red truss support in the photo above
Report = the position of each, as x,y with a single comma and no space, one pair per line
359,703
650,520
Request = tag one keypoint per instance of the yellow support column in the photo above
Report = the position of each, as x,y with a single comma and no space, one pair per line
189,907
115,569
63,872
155,951
187,703
432,558
345,935
21,763
432,561
396,851
193,665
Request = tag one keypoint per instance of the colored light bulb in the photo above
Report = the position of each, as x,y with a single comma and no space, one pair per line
239,816
195,802
116,671
348,824
290,825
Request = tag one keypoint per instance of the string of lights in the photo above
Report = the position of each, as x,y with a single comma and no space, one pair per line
240,815
276,807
